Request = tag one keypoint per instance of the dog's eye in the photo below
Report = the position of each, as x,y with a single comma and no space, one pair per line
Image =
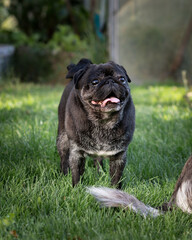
122,79
95,82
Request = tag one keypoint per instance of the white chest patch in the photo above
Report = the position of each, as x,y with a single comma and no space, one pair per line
103,153
184,197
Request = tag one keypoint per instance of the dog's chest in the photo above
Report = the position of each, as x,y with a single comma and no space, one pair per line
101,141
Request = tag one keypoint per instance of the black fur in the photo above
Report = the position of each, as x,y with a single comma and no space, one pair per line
89,125
72,68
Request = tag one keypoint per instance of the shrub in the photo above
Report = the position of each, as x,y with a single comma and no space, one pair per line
32,64
65,39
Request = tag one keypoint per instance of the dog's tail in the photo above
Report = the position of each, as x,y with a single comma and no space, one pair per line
115,198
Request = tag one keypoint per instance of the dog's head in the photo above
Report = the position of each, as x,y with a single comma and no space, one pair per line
102,87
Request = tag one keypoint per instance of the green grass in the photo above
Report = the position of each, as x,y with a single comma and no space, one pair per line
37,202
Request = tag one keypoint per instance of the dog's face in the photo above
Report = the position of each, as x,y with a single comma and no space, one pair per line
102,87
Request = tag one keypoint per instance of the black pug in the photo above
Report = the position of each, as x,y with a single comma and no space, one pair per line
96,117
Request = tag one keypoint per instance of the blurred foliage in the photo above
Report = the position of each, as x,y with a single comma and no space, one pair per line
65,39
35,61
48,36
42,17
32,64
18,38
3,13
98,49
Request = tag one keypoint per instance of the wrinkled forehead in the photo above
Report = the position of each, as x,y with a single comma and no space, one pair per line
105,70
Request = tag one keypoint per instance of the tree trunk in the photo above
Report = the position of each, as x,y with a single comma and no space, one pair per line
181,51
113,30
71,16
92,11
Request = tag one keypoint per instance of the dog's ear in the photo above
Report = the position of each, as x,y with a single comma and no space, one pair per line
128,79
74,68
78,75
122,68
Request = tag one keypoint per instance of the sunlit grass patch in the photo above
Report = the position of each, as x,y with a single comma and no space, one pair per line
159,95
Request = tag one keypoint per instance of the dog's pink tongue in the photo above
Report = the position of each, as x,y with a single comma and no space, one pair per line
104,102
111,99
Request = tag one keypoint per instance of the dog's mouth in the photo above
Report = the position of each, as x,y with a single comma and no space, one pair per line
113,101
110,101
107,101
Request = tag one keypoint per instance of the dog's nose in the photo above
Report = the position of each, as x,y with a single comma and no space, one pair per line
108,81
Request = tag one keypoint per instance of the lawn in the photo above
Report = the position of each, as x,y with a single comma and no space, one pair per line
37,202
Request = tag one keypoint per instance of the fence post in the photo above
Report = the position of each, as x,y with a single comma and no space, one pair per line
113,30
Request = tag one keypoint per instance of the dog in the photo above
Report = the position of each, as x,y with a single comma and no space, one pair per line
96,116
181,197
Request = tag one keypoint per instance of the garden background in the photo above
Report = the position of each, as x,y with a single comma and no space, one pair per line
152,40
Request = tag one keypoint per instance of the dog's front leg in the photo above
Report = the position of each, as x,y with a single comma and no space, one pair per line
117,164
76,163
63,149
